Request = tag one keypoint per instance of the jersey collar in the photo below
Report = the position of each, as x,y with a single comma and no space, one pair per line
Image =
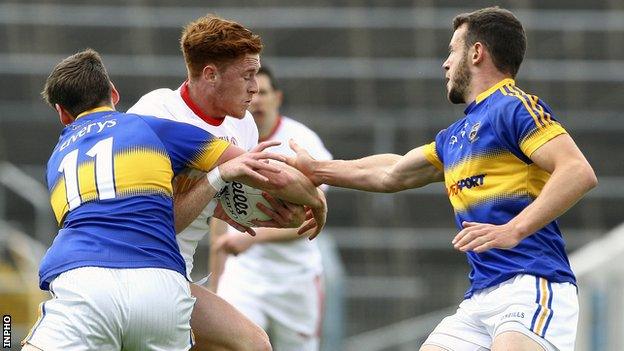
492,89
186,96
94,110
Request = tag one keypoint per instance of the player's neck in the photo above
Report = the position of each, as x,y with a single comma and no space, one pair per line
199,97
483,82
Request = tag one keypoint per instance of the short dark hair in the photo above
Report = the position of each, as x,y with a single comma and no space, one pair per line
501,33
267,72
78,83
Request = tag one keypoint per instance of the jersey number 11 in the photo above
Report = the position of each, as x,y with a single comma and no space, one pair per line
102,151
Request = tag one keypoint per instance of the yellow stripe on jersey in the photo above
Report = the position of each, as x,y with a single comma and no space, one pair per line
137,172
543,116
58,199
540,116
86,181
538,137
510,91
507,176
94,110
539,108
546,127
209,154
431,155
142,170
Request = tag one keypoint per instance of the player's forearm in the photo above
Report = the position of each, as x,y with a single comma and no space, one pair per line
370,173
189,204
557,196
276,234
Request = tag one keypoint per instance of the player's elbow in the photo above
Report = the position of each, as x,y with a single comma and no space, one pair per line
591,180
585,175
391,184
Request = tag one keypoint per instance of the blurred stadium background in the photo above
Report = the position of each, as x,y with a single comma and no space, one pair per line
366,76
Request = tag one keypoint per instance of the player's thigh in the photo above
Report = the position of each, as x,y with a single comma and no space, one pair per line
545,312
217,325
516,341
159,310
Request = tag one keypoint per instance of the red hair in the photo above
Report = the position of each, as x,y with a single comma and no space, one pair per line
211,39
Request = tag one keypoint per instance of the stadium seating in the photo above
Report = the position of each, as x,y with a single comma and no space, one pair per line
368,80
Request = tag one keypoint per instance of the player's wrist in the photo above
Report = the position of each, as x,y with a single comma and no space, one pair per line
518,230
318,172
215,180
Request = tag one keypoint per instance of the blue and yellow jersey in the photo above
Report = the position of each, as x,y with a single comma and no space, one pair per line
109,179
490,178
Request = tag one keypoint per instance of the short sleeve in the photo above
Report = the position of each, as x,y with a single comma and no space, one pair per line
187,145
433,151
432,155
525,124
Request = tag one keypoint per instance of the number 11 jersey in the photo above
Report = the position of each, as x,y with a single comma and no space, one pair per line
109,179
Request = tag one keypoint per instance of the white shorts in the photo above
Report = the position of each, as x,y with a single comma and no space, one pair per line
289,311
96,308
544,311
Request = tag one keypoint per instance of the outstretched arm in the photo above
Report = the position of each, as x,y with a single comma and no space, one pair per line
377,173
564,161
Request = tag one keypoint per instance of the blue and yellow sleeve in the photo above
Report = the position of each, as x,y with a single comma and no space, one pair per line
432,155
433,151
526,123
188,145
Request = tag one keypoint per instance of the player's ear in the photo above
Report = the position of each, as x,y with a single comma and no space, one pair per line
477,54
115,97
210,73
65,117
279,95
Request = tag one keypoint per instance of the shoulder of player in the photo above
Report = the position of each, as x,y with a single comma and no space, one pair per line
158,95
512,97
295,126
154,100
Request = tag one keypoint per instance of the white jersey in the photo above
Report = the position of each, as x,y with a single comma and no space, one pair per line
176,105
280,260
